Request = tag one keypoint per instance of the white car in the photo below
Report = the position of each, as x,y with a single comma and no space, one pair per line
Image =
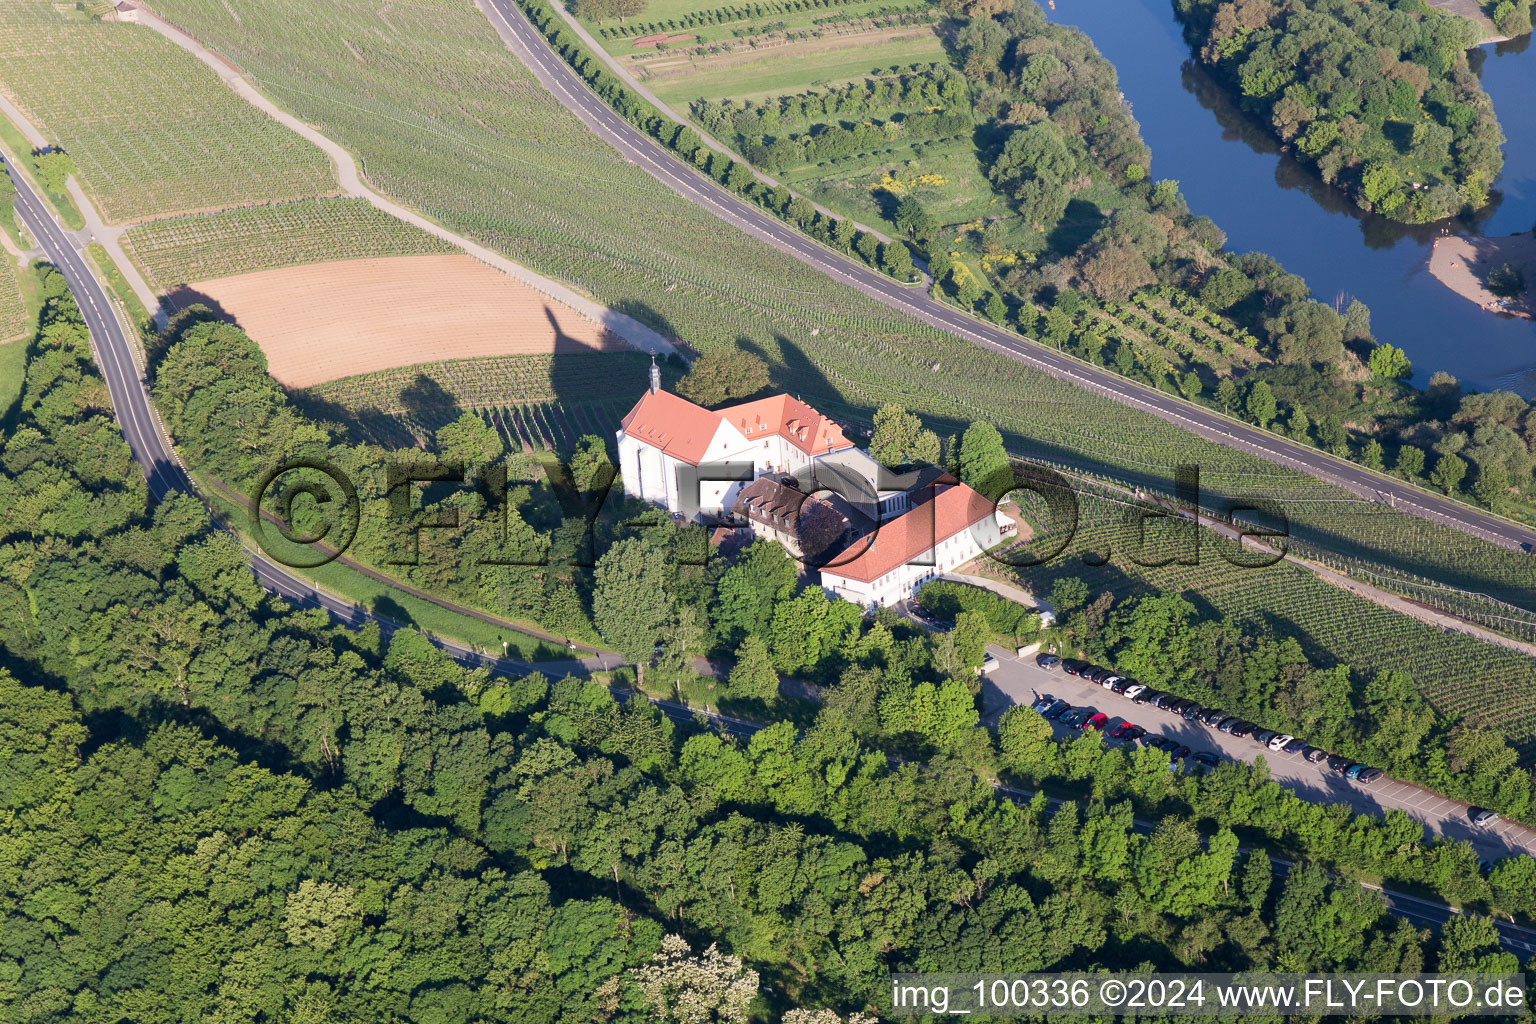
1110,681
1131,691
1279,742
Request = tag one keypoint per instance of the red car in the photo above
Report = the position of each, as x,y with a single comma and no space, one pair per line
1097,722
1120,731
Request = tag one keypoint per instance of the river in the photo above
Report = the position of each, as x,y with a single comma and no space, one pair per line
1232,171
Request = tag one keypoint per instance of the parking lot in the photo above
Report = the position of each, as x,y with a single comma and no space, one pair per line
1019,680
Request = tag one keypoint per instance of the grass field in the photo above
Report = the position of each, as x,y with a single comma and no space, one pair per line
118,283
250,238
850,186
402,608
150,129
446,119
792,67
729,21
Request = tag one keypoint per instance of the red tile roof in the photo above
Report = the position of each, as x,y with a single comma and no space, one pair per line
683,430
905,538
791,419
675,425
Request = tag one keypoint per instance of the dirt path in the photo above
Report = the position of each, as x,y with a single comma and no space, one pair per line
1472,11
1462,263
631,82
110,238
1376,595
631,330
26,127
96,229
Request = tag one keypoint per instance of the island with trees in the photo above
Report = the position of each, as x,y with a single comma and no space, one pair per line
1379,97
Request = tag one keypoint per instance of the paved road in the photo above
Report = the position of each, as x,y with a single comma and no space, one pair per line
125,383
637,147
1019,681
115,356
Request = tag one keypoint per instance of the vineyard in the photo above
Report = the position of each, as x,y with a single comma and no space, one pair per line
523,176
151,130
1170,331
15,321
199,247
1460,675
536,402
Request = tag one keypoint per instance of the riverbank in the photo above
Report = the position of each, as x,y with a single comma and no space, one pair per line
1462,263
1473,11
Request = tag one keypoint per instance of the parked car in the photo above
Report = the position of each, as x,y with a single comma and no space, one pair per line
1193,713
1078,716
1073,668
1314,754
1178,753
1146,696
1135,691
1242,729
1047,661
1094,674
1207,758
1162,700
1228,724
1296,746
1042,702
1263,736
1221,723
1159,743
1213,716
1339,764
1369,776
1278,743
1057,709
1109,681
1121,731
1122,684
1097,722
1482,817
1354,770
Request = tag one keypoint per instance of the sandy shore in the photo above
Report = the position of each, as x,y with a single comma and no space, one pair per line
1473,11
1462,264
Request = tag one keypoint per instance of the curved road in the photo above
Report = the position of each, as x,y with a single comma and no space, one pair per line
634,145
164,475
130,399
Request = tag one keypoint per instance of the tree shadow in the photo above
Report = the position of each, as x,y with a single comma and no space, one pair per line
1076,226
387,607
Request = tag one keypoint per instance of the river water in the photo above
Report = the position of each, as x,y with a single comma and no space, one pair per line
1232,171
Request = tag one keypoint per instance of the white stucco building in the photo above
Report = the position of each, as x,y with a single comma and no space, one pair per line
906,528
941,533
665,440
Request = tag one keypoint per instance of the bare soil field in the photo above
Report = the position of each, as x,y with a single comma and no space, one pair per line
325,321
1462,265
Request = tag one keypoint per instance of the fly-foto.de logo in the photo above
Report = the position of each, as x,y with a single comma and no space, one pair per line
306,512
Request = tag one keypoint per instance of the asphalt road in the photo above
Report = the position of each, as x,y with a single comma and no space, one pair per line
1019,681
640,149
127,387
130,400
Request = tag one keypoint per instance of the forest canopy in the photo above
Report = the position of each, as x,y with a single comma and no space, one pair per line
1378,96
